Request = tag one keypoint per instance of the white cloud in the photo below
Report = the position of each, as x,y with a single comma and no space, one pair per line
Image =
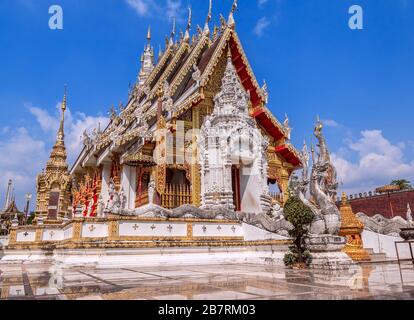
163,9
75,125
140,6
261,3
46,122
27,154
378,162
22,158
261,25
75,129
174,9
331,123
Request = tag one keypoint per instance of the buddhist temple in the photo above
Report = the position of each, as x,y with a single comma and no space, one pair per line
194,160
160,133
54,184
11,215
352,229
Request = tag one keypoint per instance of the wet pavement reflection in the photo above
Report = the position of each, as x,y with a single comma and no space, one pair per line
220,282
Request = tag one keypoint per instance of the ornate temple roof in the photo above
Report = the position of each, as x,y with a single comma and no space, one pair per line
58,157
181,75
11,209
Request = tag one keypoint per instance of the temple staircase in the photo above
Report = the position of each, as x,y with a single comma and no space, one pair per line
377,257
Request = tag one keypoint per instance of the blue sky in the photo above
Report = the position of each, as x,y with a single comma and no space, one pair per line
359,81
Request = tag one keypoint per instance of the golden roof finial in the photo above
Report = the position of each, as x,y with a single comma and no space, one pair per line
234,6
231,22
313,153
344,199
61,133
190,15
188,27
173,29
64,100
159,52
149,34
319,125
210,11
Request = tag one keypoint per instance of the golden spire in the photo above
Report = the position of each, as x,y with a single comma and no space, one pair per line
149,34
57,159
64,100
189,22
188,27
172,33
344,199
318,126
209,15
234,6
231,22
159,52
61,132
313,153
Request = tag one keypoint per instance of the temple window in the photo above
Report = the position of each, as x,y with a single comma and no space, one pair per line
177,191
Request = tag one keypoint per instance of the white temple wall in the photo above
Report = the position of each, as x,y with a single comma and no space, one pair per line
132,187
128,184
385,244
4,240
250,188
106,177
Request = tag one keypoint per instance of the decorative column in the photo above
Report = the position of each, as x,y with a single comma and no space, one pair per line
195,167
106,177
128,185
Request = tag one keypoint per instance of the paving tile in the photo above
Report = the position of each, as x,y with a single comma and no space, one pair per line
222,282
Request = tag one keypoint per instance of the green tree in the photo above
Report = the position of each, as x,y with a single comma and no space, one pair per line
300,216
30,219
402,183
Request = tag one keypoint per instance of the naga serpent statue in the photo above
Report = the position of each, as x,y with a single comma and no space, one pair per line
322,186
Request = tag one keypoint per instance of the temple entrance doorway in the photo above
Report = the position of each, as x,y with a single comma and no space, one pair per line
143,179
235,178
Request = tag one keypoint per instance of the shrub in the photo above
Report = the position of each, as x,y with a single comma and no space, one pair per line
300,216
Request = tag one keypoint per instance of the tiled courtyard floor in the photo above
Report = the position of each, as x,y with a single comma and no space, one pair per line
220,282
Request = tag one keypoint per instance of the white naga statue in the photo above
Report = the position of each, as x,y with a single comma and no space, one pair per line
151,191
117,200
322,186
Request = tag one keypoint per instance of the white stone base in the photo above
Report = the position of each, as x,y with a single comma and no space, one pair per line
385,244
27,255
4,240
331,261
252,233
327,254
157,257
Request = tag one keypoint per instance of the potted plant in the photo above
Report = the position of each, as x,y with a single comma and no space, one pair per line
300,216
